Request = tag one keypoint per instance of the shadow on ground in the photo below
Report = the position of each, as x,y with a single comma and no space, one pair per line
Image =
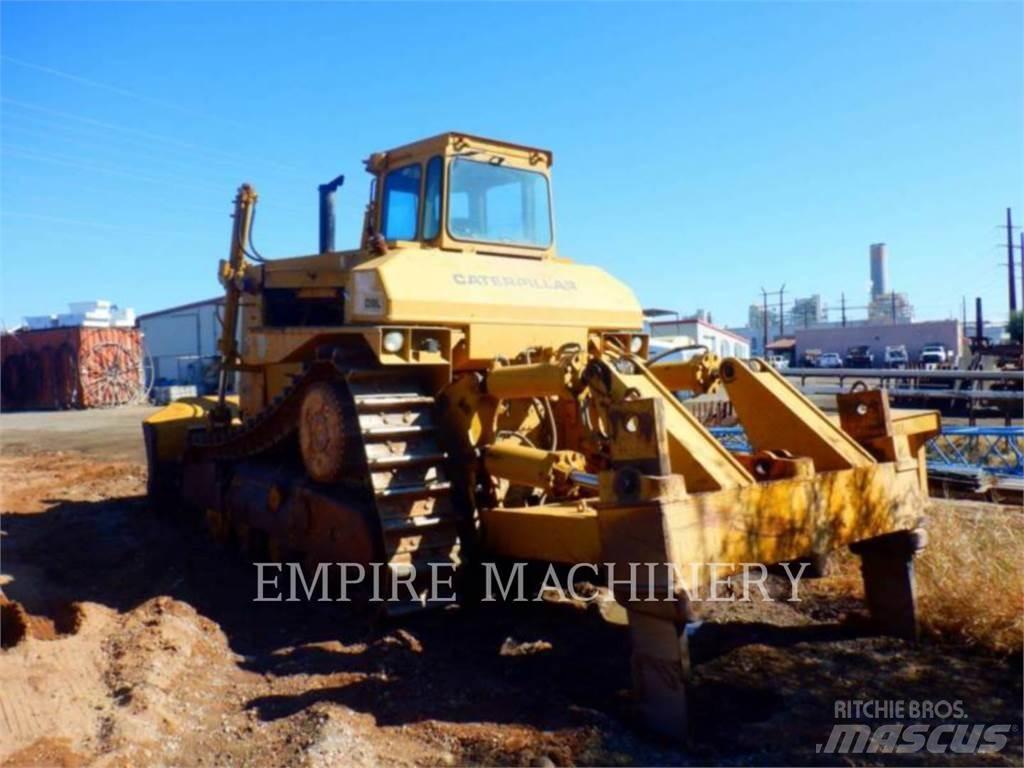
763,693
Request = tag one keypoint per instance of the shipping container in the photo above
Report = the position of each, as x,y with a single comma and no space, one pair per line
71,368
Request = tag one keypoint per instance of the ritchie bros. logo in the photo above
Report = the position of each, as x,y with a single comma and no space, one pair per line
936,738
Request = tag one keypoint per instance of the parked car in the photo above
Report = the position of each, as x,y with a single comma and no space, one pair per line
830,360
778,362
859,357
896,356
809,359
934,355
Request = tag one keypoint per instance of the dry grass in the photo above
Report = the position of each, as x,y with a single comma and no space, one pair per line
971,576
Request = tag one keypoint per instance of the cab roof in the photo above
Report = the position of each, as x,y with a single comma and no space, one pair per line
442,141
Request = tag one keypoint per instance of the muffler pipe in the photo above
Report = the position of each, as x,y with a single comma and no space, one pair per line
327,213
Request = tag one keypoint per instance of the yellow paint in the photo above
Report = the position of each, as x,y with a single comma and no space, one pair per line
760,523
523,465
171,423
526,381
431,286
792,422
464,310
694,452
561,533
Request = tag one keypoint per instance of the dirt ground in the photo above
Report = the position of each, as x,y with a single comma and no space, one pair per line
143,647
105,433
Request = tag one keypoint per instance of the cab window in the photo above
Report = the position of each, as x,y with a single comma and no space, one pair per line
432,199
401,203
492,203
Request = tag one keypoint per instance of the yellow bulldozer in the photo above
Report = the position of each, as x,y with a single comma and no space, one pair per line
455,391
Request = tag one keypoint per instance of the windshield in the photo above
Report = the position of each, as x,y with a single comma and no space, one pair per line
492,203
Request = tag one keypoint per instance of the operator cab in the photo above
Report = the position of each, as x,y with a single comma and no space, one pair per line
462,193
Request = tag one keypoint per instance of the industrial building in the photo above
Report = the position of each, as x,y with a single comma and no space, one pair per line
697,330
845,323
182,343
838,338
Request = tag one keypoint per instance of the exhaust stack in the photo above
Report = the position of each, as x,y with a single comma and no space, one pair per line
327,213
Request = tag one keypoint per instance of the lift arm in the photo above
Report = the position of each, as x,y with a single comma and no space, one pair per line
230,274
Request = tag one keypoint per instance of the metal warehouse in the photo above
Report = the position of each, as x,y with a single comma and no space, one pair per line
182,343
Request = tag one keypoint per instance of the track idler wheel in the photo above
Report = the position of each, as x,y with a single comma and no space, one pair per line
322,432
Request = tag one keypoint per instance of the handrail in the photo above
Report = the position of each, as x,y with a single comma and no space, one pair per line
903,373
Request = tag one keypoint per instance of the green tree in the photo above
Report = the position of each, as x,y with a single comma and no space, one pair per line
1016,326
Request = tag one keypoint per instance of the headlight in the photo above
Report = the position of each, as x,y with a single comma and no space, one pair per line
394,341
636,344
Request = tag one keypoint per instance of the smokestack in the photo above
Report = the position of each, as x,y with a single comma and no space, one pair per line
879,270
979,323
327,213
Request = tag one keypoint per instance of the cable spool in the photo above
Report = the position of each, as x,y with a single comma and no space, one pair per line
112,375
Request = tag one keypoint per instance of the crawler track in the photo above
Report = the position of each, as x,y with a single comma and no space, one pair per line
394,455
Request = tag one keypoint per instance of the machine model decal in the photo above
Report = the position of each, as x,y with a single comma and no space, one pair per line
369,297
507,281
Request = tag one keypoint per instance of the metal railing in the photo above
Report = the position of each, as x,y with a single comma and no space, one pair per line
940,383
973,450
969,391
903,373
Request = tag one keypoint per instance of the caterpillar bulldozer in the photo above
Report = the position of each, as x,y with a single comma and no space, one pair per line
454,391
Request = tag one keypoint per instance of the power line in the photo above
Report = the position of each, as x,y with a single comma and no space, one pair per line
114,89
84,139
91,224
99,135
145,134
93,193
64,160
31,154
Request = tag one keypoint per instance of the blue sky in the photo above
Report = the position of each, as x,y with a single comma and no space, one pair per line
701,150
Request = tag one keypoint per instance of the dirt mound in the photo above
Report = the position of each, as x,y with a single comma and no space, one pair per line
16,623
52,697
13,623
51,753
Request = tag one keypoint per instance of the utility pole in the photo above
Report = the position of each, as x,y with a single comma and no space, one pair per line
764,311
842,305
764,321
979,332
782,321
1012,275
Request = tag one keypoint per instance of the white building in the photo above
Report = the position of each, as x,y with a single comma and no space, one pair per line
182,343
98,313
720,341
